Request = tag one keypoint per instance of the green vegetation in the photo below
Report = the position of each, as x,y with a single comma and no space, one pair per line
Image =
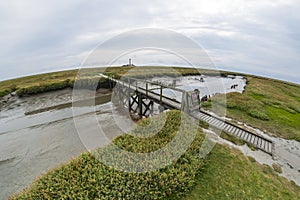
35,89
258,115
265,104
38,83
224,174
230,175
232,138
86,178
277,168
59,80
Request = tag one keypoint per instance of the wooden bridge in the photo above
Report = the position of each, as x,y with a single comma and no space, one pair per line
139,97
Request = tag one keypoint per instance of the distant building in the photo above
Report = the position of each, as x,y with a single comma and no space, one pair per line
129,63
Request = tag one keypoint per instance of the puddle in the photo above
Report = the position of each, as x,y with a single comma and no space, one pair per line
207,85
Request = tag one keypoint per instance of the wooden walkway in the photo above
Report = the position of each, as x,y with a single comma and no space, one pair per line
252,138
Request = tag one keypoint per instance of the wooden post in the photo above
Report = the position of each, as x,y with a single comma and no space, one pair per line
152,105
140,104
146,89
185,102
129,99
160,94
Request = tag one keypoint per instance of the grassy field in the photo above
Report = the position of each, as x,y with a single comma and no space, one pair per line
266,104
231,175
224,174
60,80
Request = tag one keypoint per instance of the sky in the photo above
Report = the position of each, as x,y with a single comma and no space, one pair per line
260,37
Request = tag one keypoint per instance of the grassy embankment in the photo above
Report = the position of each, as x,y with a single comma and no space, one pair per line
60,80
266,104
38,83
224,174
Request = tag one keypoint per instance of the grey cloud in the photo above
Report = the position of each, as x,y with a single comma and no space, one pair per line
39,36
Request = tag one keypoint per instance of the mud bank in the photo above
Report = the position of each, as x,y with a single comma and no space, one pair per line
33,144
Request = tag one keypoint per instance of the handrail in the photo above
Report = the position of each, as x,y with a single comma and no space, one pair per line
146,81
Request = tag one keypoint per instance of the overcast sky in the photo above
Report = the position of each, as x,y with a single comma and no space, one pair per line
258,37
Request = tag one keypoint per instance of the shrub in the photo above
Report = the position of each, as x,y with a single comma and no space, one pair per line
295,108
271,102
92,83
258,115
35,89
277,168
11,89
251,159
4,92
206,104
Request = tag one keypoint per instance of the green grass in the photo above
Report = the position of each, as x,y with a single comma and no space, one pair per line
230,175
266,104
277,168
36,81
224,174
232,138
258,115
59,80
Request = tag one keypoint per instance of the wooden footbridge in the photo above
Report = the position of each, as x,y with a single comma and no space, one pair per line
139,97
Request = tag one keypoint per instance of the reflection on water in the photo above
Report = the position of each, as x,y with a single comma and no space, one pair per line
207,85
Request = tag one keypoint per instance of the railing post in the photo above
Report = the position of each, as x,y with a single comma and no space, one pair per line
160,94
140,104
185,102
136,85
146,89
129,99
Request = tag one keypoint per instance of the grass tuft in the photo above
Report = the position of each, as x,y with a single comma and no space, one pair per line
258,115
277,168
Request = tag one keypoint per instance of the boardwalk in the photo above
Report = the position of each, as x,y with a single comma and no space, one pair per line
249,137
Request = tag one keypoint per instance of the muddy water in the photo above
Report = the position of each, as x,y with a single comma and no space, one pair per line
33,144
